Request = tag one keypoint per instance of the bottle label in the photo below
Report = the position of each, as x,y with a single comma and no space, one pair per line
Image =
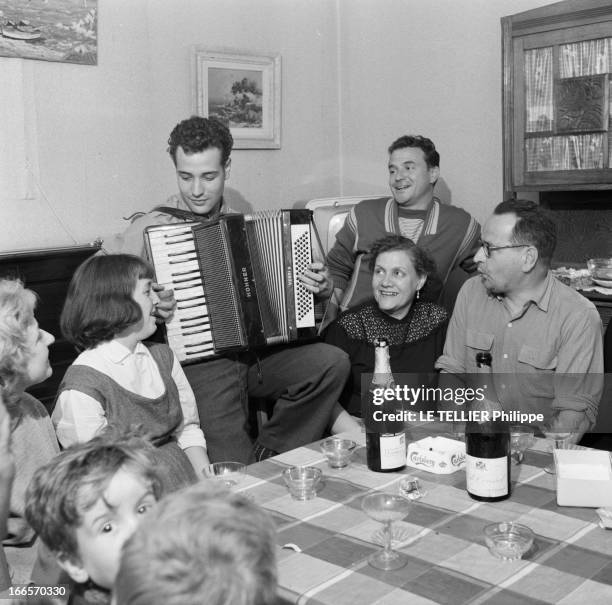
392,450
487,477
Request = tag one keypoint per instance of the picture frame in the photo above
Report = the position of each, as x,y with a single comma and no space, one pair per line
50,30
242,90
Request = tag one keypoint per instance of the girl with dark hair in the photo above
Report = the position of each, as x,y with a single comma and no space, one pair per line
117,380
414,329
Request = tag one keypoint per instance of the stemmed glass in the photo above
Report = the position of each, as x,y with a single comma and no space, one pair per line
521,439
386,508
560,440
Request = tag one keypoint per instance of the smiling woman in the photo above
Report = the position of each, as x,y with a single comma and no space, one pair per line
414,329
395,282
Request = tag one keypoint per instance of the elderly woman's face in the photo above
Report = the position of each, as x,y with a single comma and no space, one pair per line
38,367
395,282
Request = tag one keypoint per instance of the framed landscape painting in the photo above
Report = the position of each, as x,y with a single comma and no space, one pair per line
244,92
50,30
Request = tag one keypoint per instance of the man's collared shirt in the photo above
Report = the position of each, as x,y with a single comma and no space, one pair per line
553,347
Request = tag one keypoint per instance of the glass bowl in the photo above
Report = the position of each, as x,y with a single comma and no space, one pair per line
302,481
601,270
229,474
338,451
508,541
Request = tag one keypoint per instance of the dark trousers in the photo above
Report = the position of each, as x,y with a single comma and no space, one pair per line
302,383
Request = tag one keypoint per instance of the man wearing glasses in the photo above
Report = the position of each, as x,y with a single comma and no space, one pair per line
544,338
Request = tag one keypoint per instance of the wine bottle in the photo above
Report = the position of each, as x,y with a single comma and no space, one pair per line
385,436
487,447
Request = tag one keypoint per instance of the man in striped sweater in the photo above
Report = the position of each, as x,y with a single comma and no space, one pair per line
448,233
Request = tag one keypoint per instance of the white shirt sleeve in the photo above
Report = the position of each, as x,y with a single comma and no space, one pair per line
188,433
77,418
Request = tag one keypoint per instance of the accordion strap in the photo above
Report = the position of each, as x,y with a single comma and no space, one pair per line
187,215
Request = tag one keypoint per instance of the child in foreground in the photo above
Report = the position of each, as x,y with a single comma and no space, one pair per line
85,503
117,381
200,545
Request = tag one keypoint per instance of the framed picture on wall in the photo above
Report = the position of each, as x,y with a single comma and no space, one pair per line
243,91
50,30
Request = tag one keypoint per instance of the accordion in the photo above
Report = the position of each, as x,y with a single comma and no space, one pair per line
234,281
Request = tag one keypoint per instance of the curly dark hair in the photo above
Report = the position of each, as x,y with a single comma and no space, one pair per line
196,134
534,226
99,304
421,261
432,157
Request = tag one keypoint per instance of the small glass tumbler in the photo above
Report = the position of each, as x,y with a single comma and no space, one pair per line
457,430
338,451
561,441
302,481
508,541
229,474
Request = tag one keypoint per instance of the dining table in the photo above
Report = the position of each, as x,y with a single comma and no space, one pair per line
324,543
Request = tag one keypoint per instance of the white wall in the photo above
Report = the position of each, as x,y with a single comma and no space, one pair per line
102,130
303,32
425,66
92,125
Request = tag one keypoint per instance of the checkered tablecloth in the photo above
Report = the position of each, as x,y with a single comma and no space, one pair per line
570,562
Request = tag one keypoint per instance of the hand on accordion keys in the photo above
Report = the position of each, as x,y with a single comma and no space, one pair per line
316,279
164,309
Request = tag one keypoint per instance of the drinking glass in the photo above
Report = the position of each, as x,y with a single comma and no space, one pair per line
508,540
302,481
386,508
521,439
229,474
457,430
338,451
560,441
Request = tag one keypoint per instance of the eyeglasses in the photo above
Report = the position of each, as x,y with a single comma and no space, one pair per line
488,248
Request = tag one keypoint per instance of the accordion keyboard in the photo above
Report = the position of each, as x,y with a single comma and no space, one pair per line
174,256
235,281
